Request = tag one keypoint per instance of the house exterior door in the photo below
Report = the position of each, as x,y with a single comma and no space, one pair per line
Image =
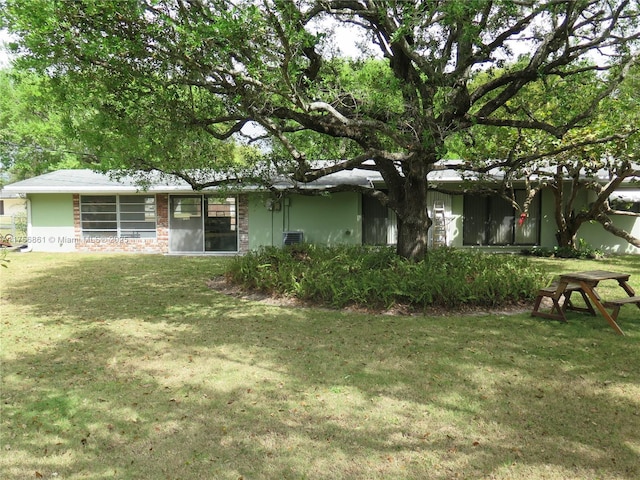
186,227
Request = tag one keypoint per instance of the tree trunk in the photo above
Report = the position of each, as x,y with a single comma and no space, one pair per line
413,237
413,217
566,237
566,221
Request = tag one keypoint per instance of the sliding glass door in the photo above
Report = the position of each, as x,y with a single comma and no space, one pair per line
203,223
491,220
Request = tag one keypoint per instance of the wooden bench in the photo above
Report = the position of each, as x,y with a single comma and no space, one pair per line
617,303
551,292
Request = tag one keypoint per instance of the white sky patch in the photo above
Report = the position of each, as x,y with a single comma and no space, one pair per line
343,39
5,58
349,41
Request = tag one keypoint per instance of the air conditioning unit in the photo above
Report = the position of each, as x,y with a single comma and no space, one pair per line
291,238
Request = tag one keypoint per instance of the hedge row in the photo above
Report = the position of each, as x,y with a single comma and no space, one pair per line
377,277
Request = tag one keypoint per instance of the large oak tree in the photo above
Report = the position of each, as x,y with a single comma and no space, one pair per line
273,63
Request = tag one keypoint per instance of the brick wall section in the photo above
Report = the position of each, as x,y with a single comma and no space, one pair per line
160,244
162,222
243,223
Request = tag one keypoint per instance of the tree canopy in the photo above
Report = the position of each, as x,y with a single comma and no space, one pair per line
33,136
444,67
596,157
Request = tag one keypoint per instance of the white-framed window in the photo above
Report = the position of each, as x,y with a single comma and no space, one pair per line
120,216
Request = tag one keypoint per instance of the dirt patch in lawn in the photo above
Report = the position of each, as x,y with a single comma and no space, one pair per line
222,285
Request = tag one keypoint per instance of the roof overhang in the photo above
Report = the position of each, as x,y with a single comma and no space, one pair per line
92,182
89,182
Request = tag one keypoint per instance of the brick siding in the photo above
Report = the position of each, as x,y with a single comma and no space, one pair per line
243,223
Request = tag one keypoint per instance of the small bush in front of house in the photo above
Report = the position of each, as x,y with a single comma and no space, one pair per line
582,251
377,277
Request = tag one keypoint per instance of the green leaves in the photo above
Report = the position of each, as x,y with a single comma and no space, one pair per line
33,139
377,278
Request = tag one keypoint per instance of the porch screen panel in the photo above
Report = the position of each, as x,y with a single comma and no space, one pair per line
374,222
474,227
491,220
99,215
529,232
501,215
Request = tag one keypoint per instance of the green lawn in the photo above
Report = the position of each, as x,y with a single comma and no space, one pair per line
130,367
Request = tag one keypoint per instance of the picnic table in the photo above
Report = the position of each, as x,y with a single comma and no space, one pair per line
585,283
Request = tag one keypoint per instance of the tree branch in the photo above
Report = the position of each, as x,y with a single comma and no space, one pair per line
608,225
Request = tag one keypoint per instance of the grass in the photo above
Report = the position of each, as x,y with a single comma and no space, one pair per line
130,367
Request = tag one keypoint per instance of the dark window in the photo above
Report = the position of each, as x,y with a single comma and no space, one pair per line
221,224
492,220
625,206
374,222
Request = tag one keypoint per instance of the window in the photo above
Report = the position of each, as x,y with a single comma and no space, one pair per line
492,220
625,206
187,207
223,208
122,216
203,223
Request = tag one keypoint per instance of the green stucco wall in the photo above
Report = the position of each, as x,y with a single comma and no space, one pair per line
455,227
51,210
548,227
595,236
51,226
327,219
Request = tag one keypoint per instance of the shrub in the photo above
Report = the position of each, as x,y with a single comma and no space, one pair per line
582,251
377,277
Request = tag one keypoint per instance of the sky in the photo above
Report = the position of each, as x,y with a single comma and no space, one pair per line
4,57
